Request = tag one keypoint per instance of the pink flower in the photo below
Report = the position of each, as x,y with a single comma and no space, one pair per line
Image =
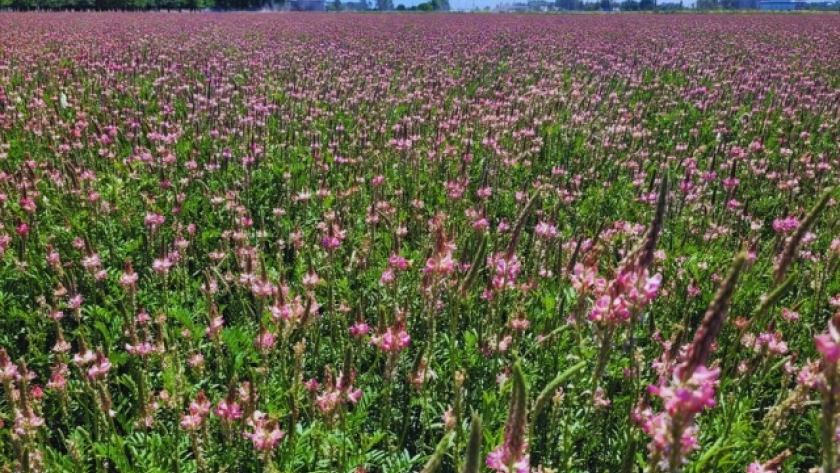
100,367
266,433
196,360
785,225
520,323
229,411
154,220
394,339
600,399
91,262
75,302
83,359
215,327
448,418
545,231
790,315
828,346
387,277
311,279
26,423
693,290
201,405
162,265
756,467
311,385
265,341
682,400
397,262
8,370
263,289
58,378
191,422
651,289
359,329
128,279
494,461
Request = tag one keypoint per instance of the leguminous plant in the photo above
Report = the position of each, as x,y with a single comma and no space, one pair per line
404,243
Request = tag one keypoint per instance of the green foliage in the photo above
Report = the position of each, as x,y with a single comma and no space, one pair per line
369,235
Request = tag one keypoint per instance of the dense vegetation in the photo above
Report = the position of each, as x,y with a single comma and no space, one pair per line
320,243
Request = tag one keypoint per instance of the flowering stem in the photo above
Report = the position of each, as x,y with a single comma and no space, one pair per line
603,356
675,454
202,466
453,357
829,407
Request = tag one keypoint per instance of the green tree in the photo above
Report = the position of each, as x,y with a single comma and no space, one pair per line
25,4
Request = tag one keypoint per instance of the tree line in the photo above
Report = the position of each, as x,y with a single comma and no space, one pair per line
136,5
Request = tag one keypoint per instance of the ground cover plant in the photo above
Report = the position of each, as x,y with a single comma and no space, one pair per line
338,243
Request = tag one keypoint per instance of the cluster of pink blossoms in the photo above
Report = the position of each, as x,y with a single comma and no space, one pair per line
27,421
97,364
198,411
335,393
496,461
441,263
333,235
828,344
396,264
394,339
228,409
785,225
615,301
682,401
506,269
266,433
772,342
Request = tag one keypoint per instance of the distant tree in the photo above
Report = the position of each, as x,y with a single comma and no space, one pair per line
400,7
569,5
194,4
336,5
384,5
629,5
647,5
425,6
176,5
25,4
54,4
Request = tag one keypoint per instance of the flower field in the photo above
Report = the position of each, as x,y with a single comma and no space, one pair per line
405,243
